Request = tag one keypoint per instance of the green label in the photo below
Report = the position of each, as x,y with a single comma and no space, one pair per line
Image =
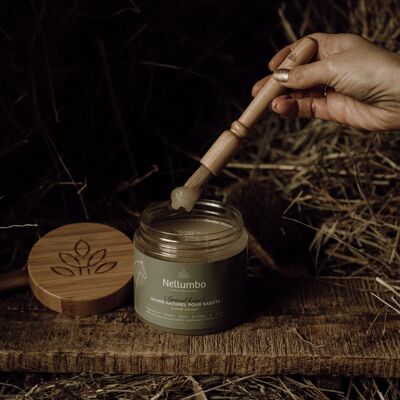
189,296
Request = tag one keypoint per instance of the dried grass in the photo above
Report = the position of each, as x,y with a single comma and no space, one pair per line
345,184
86,386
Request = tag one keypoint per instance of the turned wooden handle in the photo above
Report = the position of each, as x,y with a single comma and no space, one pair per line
302,54
13,280
226,146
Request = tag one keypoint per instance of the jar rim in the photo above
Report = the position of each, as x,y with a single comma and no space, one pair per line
210,208
158,241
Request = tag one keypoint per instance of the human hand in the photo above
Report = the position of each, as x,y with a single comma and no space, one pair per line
351,82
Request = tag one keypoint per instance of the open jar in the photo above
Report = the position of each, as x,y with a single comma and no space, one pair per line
189,268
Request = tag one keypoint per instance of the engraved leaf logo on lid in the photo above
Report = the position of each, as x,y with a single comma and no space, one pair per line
96,257
82,261
105,267
69,259
82,248
62,271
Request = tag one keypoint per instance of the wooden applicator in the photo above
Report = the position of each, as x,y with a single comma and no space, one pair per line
226,146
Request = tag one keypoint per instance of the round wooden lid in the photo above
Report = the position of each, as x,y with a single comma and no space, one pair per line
82,269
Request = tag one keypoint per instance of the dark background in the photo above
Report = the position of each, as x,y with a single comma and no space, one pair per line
94,93
116,86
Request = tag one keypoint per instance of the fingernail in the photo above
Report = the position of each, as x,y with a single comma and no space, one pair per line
281,75
272,106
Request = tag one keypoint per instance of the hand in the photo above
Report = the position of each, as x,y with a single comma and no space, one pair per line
361,83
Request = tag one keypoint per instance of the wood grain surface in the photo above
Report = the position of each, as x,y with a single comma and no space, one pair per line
82,269
293,326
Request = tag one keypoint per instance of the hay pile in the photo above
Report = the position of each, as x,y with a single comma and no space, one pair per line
344,183
105,387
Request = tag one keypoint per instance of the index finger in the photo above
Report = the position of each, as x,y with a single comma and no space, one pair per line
278,58
328,44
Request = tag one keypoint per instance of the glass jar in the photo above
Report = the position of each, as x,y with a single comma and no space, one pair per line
189,268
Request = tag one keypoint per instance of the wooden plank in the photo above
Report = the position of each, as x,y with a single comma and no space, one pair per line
294,326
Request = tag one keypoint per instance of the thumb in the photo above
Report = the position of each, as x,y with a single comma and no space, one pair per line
304,76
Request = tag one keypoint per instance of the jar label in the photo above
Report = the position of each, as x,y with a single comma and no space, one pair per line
189,296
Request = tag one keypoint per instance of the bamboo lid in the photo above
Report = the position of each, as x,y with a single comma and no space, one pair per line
82,269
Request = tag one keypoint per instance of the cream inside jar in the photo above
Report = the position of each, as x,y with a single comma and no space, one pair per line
189,268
